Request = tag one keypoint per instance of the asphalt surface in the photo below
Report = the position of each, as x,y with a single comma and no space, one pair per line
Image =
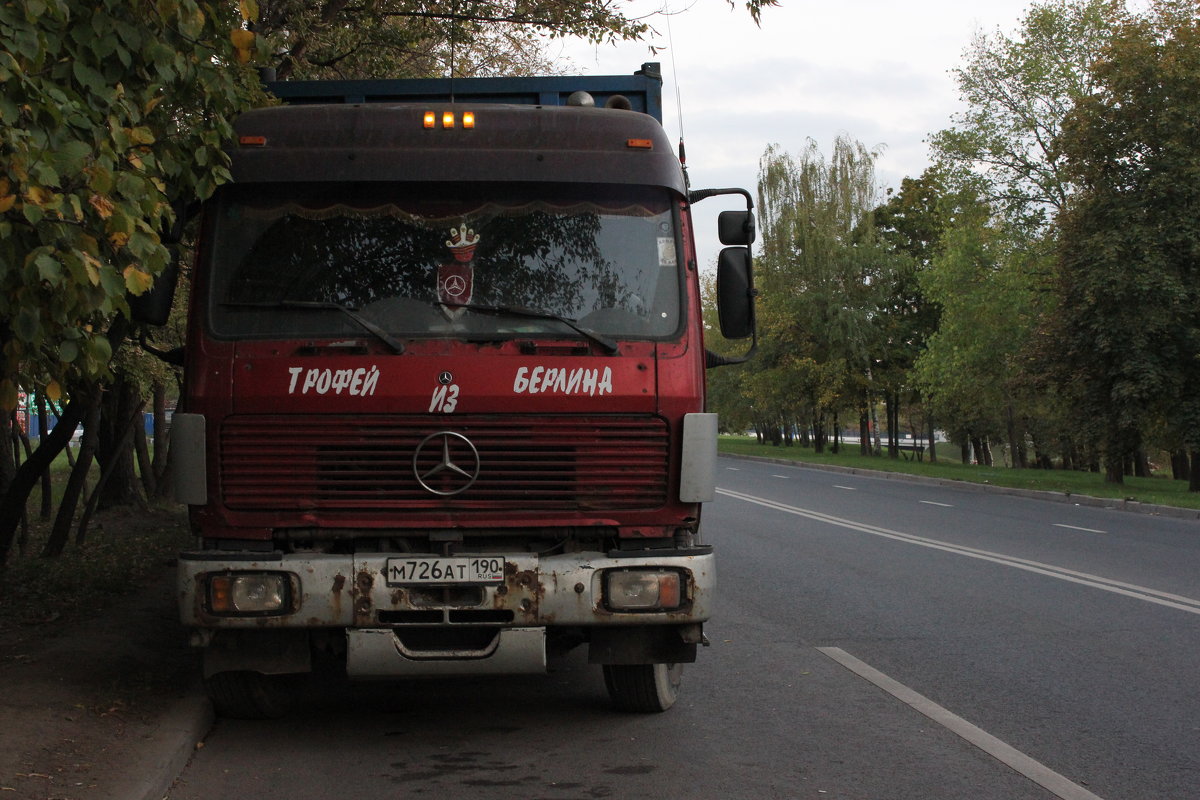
875,639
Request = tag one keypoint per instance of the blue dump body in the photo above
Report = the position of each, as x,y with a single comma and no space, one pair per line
643,90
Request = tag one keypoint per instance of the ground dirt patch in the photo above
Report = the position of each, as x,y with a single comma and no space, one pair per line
82,683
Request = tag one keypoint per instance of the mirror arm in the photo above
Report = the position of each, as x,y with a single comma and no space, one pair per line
712,359
696,195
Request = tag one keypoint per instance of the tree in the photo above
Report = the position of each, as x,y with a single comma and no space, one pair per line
106,128
820,271
1017,91
911,225
1128,328
418,38
102,127
986,279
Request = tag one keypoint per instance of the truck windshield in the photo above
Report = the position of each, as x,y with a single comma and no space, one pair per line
444,260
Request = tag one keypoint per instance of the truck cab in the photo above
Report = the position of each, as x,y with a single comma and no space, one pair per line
444,409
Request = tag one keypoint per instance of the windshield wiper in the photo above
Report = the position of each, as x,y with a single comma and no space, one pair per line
518,311
359,319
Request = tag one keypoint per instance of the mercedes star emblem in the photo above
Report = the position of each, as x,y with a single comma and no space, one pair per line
456,467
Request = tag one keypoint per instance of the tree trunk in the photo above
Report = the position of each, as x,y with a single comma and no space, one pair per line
13,503
1194,481
876,449
1010,425
118,405
932,443
891,410
864,432
966,452
145,466
162,431
837,434
1180,466
47,488
61,531
1141,464
8,458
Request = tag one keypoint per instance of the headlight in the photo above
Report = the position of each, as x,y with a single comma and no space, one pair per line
248,593
643,589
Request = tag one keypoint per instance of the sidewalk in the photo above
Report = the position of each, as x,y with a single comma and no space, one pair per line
100,709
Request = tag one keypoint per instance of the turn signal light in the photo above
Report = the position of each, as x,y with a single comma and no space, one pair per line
643,590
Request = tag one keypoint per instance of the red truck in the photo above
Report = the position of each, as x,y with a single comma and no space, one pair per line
445,389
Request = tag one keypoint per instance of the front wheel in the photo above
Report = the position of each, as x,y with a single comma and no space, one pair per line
643,688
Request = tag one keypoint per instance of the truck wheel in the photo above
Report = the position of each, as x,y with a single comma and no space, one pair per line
643,688
250,695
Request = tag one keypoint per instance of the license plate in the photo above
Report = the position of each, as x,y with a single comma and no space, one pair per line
459,569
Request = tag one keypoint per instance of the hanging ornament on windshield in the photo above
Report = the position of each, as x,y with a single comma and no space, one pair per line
456,278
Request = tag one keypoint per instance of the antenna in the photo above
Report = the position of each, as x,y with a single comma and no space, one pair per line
678,96
453,43
674,74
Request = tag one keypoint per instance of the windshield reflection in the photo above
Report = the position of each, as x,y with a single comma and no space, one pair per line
413,258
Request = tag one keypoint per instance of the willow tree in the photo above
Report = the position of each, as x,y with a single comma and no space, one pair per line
819,272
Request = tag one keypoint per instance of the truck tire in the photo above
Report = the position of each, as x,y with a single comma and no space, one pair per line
250,695
643,688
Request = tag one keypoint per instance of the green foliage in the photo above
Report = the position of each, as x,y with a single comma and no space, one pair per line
986,279
111,112
1128,334
820,271
1017,91
419,38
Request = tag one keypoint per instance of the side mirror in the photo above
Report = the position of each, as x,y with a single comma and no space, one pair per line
735,292
153,306
736,227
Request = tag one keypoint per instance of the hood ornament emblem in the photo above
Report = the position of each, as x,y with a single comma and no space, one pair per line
455,463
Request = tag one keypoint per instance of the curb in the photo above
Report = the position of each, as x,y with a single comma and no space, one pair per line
178,732
1111,503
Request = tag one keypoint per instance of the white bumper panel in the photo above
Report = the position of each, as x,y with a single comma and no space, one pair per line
381,653
342,591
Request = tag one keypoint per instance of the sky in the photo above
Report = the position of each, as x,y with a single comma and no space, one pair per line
877,70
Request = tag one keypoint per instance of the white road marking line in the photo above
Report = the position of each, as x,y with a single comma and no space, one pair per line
933,503
733,469
785,477
1179,602
847,488
1077,528
1006,754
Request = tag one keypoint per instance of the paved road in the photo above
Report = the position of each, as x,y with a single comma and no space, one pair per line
875,639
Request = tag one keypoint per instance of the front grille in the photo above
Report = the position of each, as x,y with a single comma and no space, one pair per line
365,463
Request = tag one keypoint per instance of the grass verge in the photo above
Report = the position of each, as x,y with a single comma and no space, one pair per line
1158,490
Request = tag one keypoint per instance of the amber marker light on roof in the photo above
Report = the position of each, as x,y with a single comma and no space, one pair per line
430,119
252,141
640,144
468,119
447,119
